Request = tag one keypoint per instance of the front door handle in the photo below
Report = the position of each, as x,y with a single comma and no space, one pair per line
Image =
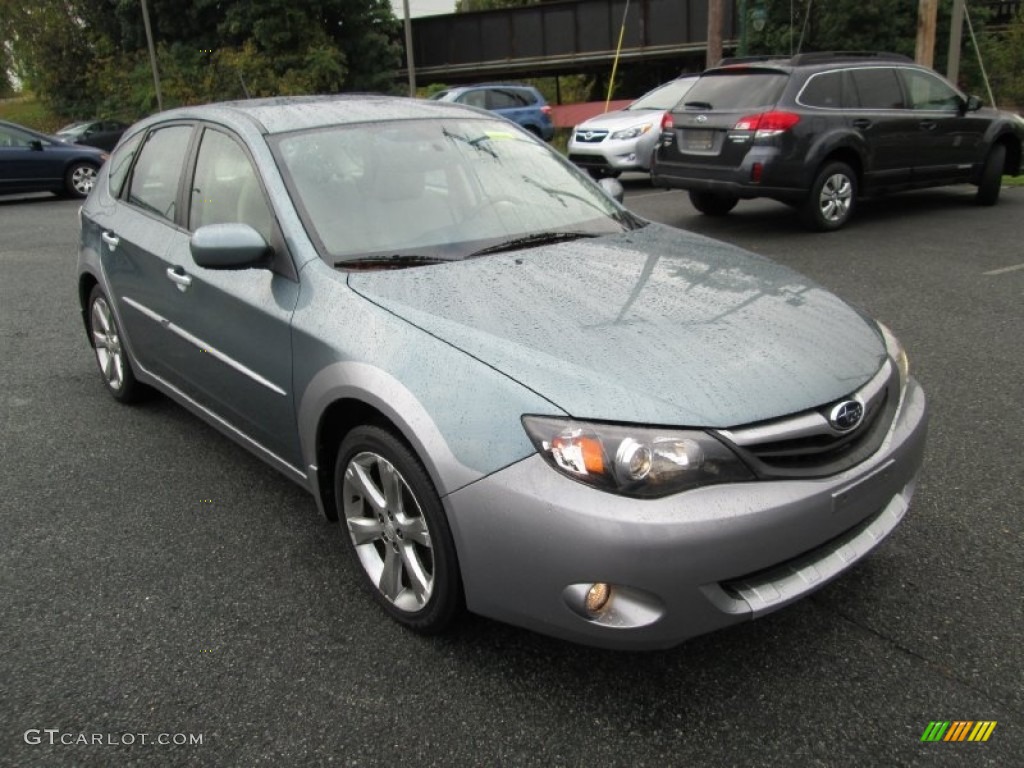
862,122
178,277
927,125
110,239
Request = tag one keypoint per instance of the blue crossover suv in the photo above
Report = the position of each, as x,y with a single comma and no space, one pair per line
521,104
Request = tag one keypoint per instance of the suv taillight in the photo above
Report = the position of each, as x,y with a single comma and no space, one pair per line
546,109
667,123
767,123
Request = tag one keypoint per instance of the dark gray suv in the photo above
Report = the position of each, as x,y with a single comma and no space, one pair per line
819,130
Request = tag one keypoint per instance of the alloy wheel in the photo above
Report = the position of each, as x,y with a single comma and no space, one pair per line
389,531
107,341
835,197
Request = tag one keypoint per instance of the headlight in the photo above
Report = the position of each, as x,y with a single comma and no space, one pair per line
632,133
644,462
898,354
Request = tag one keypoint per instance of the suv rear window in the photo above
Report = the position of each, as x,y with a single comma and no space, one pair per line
738,89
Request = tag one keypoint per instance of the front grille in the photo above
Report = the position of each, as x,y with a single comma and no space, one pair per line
806,445
591,137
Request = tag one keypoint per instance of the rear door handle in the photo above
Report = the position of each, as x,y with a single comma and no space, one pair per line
927,125
110,239
178,277
862,122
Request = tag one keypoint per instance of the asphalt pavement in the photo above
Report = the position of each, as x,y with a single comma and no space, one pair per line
157,583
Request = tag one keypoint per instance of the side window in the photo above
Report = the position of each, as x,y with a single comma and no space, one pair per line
929,92
13,138
504,100
878,88
226,189
824,90
154,182
120,162
474,99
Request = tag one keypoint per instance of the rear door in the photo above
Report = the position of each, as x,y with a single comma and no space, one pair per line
137,232
513,105
890,131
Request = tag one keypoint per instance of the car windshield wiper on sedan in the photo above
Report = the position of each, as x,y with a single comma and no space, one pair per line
477,143
528,241
394,261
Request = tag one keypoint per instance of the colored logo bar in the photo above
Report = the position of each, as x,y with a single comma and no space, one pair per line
958,730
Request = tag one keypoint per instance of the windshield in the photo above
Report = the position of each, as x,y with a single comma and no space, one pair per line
664,97
436,189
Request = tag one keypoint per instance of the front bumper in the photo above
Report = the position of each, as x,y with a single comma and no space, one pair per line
613,155
531,541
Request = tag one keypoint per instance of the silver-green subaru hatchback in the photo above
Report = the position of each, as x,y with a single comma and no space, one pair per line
515,396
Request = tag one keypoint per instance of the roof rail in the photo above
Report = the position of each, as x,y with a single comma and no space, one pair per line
823,56
731,60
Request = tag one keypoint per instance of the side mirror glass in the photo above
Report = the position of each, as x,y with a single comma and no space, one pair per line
35,145
612,188
973,104
228,246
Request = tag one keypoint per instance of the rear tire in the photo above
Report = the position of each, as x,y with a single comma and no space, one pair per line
832,198
111,354
712,203
992,176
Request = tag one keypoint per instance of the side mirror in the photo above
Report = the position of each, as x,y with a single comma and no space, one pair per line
35,145
228,246
973,104
612,188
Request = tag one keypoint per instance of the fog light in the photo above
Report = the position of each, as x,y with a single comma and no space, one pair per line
597,597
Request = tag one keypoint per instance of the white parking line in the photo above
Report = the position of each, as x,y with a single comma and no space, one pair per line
1004,270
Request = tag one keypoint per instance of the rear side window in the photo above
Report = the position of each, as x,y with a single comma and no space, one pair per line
746,89
505,100
154,183
877,88
824,90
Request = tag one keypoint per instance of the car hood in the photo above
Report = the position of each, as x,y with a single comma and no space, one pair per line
619,120
652,326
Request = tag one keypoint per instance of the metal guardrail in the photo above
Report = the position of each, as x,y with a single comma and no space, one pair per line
556,37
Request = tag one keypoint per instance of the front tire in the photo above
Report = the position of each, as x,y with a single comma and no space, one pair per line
832,198
397,530
712,203
111,354
992,176
80,179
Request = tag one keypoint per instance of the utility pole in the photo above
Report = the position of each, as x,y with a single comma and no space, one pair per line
956,29
408,50
152,56
927,11
714,32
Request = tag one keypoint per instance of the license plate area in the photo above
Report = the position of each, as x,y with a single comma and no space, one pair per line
697,140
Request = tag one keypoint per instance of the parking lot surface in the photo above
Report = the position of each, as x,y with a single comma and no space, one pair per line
156,579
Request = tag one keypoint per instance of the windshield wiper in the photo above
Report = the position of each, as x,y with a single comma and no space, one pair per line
394,261
476,143
528,241
698,104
